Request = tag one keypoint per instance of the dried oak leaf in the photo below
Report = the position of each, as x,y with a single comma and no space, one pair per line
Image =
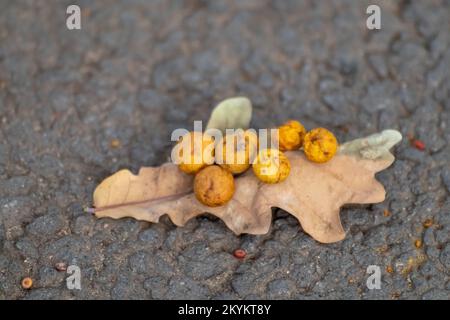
313,193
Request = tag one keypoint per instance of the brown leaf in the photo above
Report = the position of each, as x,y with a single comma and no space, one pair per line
313,193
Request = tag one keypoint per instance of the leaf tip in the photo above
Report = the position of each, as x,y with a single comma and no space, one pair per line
373,147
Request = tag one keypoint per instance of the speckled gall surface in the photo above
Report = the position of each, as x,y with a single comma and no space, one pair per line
139,69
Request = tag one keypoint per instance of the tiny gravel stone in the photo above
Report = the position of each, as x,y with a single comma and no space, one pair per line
84,225
46,225
446,178
115,143
27,248
49,277
445,256
151,237
279,289
61,266
17,186
157,287
138,262
185,288
436,294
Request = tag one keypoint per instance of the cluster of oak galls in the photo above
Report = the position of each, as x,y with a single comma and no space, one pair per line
214,173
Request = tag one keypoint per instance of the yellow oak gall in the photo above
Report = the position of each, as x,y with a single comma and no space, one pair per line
271,166
291,135
214,186
193,152
235,152
320,145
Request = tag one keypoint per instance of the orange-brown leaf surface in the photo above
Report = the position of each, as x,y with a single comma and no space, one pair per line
313,193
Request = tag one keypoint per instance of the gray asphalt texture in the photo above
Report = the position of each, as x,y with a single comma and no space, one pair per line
139,69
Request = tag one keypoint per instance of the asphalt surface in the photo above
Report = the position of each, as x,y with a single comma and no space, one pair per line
75,106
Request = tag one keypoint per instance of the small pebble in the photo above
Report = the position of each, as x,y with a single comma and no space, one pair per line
115,143
395,295
418,244
428,223
61,266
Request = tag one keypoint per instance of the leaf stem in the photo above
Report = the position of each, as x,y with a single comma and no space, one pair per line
114,206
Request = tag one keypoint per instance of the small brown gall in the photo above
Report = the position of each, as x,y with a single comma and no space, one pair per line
27,283
214,186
